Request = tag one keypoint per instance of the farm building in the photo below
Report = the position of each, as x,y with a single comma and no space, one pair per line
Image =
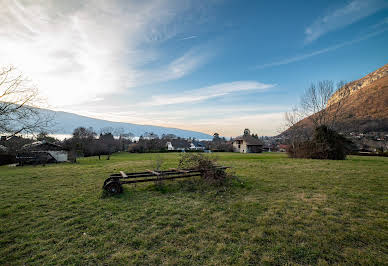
42,152
247,144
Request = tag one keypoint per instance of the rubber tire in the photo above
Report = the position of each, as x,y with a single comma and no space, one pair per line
113,187
107,181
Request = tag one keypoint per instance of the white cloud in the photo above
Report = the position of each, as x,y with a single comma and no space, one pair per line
207,92
354,11
226,120
78,51
322,51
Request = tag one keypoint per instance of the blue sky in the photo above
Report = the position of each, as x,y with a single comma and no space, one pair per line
213,66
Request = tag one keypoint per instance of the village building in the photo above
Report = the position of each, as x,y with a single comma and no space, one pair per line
42,152
197,146
283,147
178,145
247,144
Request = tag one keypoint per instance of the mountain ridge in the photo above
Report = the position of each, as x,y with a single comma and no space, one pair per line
364,107
66,122
354,86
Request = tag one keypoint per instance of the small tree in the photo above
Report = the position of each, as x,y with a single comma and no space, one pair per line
216,137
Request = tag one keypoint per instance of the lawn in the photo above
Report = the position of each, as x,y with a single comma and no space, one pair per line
281,211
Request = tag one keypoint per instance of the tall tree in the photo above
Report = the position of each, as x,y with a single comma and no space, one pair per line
19,103
315,104
216,137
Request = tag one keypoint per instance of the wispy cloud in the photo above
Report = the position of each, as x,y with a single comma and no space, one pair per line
322,51
80,50
206,93
346,15
381,23
188,38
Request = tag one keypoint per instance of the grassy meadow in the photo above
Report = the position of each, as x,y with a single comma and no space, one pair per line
279,211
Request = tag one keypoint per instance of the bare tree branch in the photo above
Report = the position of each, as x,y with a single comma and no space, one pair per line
316,107
19,105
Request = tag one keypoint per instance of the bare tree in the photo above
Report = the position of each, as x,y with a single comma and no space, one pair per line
296,131
19,101
315,104
318,139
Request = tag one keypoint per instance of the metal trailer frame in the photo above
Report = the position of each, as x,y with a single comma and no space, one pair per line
114,183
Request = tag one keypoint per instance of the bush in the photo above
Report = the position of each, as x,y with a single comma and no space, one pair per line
208,167
325,144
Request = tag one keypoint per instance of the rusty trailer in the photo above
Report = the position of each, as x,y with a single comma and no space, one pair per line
114,183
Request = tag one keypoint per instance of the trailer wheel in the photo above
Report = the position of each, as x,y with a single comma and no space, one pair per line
107,181
113,187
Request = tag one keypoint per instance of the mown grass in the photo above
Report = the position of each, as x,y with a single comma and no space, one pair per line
281,211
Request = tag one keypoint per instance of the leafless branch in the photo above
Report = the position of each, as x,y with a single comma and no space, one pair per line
19,102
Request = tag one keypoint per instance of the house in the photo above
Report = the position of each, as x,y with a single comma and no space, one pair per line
42,152
247,144
197,145
283,147
178,145
169,146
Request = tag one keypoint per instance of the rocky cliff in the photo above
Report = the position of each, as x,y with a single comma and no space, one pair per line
364,105
355,86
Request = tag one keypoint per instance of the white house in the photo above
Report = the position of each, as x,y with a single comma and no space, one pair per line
197,145
169,146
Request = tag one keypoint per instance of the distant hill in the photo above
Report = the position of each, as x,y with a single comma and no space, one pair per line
65,123
365,109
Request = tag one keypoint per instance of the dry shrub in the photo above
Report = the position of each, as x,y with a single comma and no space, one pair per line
208,167
325,144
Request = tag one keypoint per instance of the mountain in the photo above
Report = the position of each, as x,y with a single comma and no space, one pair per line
365,108
364,104
65,123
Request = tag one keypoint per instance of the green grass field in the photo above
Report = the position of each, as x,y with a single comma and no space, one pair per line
283,211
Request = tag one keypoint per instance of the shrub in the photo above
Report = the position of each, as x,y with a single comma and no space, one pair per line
208,166
325,144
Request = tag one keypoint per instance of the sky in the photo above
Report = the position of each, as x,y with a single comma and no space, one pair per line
211,66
